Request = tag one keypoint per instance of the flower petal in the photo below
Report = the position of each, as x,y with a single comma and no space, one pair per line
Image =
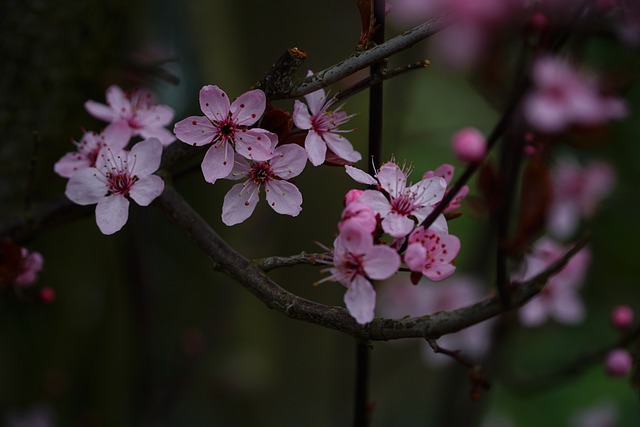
118,101
239,203
284,197
301,116
217,162
360,300
415,257
288,161
195,130
85,187
248,107
145,190
377,201
164,135
214,103
100,111
381,262
316,148
112,213
70,163
360,175
341,147
255,144
397,225
145,156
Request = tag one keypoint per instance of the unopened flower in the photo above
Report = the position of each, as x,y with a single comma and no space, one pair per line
118,175
323,126
618,362
283,197
225,127
358,214
469,145
622,317
87,152
133,114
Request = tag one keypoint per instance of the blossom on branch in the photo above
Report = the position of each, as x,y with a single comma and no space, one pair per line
445,171
225,127
118,175
431,253
135,114
87,152
283,197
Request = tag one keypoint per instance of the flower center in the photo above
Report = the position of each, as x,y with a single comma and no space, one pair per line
261,173
120,182
402,205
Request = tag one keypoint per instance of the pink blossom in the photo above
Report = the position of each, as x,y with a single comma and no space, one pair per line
283,197
359,214
118,175
31,264
399,298
356,260
562,97
352,195
87,152
323,126
578,191
618,362
431,253
133,114
399,204
445,171
469,145
224,127
622,317
560,297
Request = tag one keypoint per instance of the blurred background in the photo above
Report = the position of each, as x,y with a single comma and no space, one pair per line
143,332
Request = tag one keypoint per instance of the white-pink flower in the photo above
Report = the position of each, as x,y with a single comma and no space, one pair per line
323,126
224,127
431,253
560,298
400,207
356,260
562,96
118,175
87,152
133,114
30,266
283,197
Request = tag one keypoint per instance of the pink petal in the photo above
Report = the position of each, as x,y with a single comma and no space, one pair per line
567,308
428,191
85,188
360,300
117,134
99,111
218,162
534,313
156,116
381,262
341,147
316,148
377,201
316,100
117,100
239,203
439,272
162,134
112,213
70,163
255,144
195,130
301,116
397,225
145,157
248,107
214,103
146,189
288,161
445,171
360,176
415,257
241,168
354,239
284,197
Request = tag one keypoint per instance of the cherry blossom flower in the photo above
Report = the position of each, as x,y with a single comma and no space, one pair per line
118,175
618,362
135,114
357,260
562,97
18,266
404,203
359,214
322,124
622,317
469,145
224,127
87,152
431,253
560,297
445,171
283,197
31,265
578,190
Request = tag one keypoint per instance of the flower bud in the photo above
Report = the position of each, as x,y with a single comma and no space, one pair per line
469,145
352,195
618,362
622,317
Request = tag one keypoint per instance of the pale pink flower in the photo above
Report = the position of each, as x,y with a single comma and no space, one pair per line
562,96
87,152
431,253
30,267
560,298
445,171
399,298
357,260
399,204
224,127
618,362
323,126
469,145
118,175
577,192
359,214
135,114
283,197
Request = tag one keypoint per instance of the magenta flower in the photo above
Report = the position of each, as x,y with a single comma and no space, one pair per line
562,97
224,127
560,298
431,253
118,175
323,126
30,265
356,260
87,152
283,197
400,207
135,114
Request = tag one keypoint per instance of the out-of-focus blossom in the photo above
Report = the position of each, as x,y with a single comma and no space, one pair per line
578,190
600,414
133,114
87,152
469,145
560,298
622,317
32,263
399,298
618,362
445,171
563,96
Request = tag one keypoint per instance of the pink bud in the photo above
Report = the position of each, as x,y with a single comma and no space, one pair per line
618,362
622,317
47,295
352,195
469,145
